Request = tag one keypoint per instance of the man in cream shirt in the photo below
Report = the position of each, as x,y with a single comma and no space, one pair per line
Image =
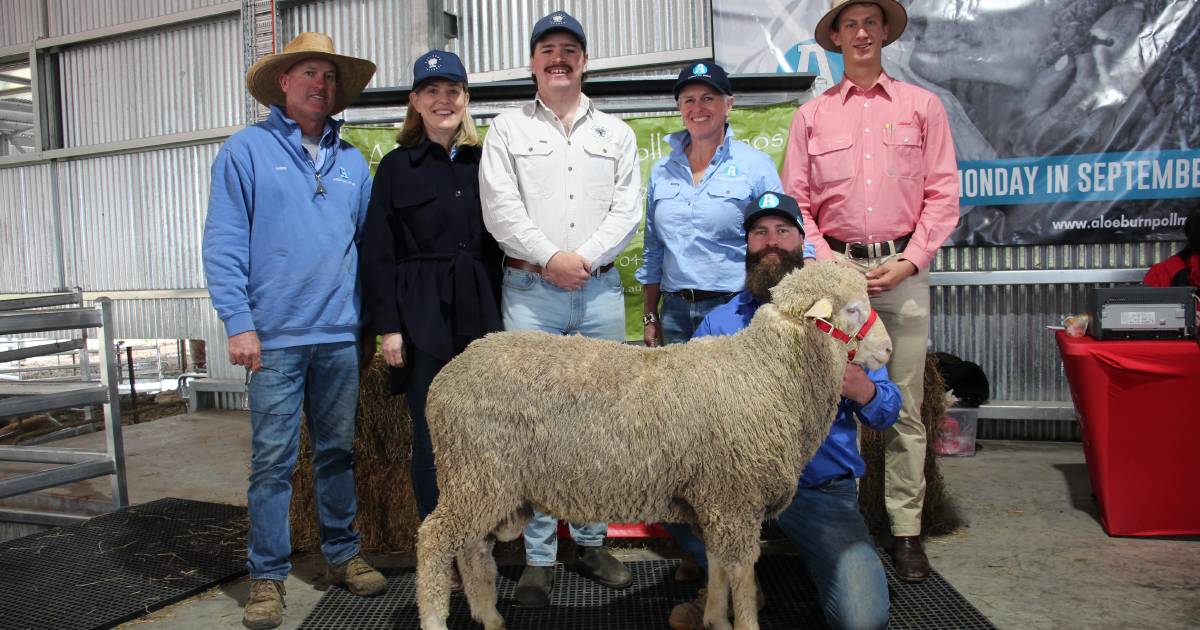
560,193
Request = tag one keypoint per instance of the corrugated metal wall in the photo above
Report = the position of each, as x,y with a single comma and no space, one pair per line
20,24
378,30
28,257
495,35
135,221
75,16
156,83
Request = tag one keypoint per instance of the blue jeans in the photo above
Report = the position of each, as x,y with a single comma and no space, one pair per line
324,379
596,310
825,525
681,318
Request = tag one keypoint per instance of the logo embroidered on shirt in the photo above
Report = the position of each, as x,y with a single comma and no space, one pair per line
281,168
768,201
731,170
600,132
343,176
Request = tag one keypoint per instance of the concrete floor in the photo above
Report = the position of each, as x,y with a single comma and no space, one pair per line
1032,556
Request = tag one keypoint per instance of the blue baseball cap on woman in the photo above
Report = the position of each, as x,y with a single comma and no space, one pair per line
438,64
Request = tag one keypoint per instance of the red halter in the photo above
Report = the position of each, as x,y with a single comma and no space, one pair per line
828,328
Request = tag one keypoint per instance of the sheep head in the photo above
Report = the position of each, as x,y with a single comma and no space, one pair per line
833,299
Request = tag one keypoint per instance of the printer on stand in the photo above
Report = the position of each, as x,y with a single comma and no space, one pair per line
1137,312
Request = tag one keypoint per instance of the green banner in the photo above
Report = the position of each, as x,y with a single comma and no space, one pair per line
764,128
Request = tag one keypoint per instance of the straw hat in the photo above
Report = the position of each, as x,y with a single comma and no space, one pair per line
353,74
896,16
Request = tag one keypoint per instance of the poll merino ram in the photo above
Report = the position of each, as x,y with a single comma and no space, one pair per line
714,432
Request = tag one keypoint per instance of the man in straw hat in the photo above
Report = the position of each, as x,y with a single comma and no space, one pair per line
559,189
288,203
871,163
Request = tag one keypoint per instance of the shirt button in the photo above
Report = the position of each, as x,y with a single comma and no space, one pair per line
866,131
868,156
870,209
530,149
866,104
458,193
462,245
868,182
571,196
572,224
570,168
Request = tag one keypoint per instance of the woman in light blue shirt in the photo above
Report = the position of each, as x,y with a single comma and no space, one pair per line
695,251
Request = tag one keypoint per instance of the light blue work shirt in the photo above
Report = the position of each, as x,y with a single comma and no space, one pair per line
694,237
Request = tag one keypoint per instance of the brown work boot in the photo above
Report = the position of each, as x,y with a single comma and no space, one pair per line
690,615
264,607
358,577
597,564
909,558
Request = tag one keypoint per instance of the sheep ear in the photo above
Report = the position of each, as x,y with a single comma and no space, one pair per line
822,309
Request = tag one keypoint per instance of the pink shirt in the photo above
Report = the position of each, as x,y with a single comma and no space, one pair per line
874,165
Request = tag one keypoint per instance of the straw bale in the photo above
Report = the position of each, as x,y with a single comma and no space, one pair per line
387,513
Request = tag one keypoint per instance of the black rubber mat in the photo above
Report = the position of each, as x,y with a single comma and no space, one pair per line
119,566
579,604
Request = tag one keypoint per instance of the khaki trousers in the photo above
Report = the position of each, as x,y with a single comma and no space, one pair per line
905,312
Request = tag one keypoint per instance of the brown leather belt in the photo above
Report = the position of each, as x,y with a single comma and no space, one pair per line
517,263
695,295
863,251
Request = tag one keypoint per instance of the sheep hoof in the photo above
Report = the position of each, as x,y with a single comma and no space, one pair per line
433,622
491,620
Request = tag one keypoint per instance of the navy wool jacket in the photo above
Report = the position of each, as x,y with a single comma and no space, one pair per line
430,270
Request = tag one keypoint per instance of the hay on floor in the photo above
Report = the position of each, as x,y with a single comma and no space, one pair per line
938,515
387,513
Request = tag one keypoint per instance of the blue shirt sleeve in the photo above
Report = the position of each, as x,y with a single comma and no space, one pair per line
652,250
884,409
226,244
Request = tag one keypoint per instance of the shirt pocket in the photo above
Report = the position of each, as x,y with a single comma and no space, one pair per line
903,152
831,160
602,161
722,213
534,161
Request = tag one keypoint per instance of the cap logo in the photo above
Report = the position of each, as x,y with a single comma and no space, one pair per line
433,62
699,69
557,18
768,201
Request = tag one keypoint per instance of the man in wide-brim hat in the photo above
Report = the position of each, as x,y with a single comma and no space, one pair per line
287,294
871,163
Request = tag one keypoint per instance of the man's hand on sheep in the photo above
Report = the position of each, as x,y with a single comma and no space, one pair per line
856,385
567,270
245,350
393,349
887,276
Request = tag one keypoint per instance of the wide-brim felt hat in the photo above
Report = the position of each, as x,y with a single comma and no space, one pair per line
353,74
897,20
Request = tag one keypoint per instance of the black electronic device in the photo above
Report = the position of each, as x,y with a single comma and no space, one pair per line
1137,312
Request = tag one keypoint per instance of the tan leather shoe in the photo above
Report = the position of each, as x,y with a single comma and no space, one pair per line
264,607
908,556
359,577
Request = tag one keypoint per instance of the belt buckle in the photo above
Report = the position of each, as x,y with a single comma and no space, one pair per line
861,251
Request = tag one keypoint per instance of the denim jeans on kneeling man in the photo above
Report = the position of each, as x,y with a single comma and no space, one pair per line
596,310
323,379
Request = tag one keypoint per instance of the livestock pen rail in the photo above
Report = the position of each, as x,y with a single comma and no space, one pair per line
18,398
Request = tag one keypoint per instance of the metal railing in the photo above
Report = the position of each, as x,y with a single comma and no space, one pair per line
19,398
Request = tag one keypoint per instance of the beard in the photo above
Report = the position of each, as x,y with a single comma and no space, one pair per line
762,273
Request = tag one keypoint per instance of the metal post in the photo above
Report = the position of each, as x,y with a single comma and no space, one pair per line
85,362
112,407
132,383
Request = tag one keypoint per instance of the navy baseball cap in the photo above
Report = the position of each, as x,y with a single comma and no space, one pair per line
557,21
772,204
704,71
438,64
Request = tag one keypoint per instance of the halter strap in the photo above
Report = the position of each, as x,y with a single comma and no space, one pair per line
828,328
